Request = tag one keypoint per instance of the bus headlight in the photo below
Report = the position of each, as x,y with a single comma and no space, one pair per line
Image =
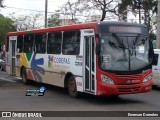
106,79
147,78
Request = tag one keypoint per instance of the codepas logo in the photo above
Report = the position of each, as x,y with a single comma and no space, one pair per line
57,60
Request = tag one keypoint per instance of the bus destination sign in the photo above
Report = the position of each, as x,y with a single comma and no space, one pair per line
124,29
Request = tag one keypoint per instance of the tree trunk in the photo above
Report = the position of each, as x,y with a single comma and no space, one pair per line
103,15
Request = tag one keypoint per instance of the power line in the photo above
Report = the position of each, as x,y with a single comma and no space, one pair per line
48,0
56,1
26,9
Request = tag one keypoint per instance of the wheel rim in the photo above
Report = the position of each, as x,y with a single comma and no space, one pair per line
73,86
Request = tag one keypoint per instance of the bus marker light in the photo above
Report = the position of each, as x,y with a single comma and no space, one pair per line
148,88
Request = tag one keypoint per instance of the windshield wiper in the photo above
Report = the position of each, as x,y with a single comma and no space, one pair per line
135,43
121,45
136,40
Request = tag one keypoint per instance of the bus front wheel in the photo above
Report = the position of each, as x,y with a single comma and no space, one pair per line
72,87
24,76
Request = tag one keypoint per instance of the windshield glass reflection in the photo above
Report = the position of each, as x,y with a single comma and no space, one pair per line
123,52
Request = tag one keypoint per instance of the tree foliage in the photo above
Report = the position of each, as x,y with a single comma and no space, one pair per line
149,8
69,10
26,22
105,6
124,7
6,25
75,11
1,3
54,20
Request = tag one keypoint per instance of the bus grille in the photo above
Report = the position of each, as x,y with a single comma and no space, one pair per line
122,79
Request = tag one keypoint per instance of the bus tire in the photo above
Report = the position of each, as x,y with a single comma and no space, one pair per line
72,88
24,76
1,68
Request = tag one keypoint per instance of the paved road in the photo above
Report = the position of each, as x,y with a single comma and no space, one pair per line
12,98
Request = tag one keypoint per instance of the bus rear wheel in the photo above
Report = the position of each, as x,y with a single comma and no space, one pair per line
1,68
72,87
24,76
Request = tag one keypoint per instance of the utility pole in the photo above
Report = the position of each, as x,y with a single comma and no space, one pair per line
139,5
46,8
158,26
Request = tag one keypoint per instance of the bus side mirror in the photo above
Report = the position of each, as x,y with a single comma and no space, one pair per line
98,48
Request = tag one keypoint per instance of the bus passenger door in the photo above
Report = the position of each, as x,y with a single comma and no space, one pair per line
12,54
89,64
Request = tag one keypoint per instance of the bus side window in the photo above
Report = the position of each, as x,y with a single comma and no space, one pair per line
40,43
155,62
54,43
71,43
20,43
28,43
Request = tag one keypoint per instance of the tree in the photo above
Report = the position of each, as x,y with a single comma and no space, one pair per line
124,7
26,22
1,3
75,12
105,6
148,6
54,20
6,25
69,11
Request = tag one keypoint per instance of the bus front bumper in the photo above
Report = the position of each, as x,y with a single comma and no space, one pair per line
105,89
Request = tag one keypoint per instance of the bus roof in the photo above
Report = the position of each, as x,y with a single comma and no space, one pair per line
122,23
72,27
58,28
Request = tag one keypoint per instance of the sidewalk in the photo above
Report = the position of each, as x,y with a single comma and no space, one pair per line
6,77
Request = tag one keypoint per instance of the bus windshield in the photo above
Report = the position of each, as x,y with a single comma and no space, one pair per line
124,52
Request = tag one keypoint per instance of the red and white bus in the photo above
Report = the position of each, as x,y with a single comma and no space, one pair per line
105,58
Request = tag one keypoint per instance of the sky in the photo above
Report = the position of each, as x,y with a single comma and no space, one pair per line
12,6
30,4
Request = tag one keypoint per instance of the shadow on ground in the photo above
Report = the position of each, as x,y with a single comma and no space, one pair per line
89,98
156,87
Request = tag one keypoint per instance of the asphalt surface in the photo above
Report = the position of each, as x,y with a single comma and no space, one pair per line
12,98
